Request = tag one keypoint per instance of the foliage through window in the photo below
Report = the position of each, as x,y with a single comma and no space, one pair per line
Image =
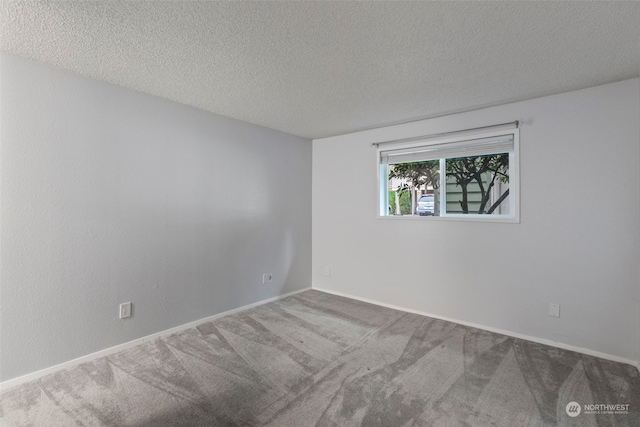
469,176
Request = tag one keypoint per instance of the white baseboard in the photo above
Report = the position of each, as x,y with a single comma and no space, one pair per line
5,385
490,329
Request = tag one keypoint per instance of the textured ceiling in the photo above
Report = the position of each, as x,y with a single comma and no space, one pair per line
324,68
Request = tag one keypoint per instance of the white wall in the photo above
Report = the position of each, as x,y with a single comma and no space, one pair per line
578,242
110,195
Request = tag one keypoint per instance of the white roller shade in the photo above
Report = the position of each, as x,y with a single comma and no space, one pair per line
467,148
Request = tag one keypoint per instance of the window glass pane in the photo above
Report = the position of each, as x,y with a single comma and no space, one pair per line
478,185
413,188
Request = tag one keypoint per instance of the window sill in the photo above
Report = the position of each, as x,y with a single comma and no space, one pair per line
460,217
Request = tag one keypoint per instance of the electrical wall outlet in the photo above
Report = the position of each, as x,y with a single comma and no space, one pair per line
266,278
554,310
327,270
125,310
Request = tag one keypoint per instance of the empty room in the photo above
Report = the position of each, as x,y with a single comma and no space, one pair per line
319,213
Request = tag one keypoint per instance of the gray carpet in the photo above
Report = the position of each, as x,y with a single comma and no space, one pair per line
315,359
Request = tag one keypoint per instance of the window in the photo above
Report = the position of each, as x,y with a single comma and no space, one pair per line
463,176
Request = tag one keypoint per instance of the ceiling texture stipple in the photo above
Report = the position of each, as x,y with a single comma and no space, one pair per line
318,69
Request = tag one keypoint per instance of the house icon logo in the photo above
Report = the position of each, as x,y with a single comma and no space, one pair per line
573,409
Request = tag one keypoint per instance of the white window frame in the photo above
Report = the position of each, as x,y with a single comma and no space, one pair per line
514,177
